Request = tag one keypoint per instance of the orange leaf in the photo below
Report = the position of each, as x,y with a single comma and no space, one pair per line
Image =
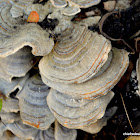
33,17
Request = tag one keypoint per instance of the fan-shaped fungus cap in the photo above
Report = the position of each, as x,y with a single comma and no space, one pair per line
99,84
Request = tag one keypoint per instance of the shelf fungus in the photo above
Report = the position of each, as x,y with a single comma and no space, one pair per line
45,134
59,132
72,7
73,112
17,64
31,35
9,117
10,110
67,63
42,10
34,110
85,3
15,34
78,69
8,24
19,6
94,128
63,133
8,135
10,105
8,87
25,7
82,64
21,130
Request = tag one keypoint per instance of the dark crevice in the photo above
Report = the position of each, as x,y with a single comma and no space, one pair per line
14,93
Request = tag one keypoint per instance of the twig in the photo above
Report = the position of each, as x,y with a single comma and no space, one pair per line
114,135
126,113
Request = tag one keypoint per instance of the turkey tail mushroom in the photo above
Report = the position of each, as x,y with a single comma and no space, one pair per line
34,110
7,87
21,130
95,87
45,134
67,63
73,112
15,34
63,133
17,64
94,128
72,7
31,35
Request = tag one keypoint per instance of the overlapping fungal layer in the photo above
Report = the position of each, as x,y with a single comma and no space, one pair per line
14,35
63,133
70,10
21,130
80,3
10,105
28,35
59,132
59,3
80,65
9,117
9,112
34,110
9,136
67,63
7,22
19,6
25,7
45,134
32,90
94,128
72,7
74,112
17,64
7,87
24,132
85,3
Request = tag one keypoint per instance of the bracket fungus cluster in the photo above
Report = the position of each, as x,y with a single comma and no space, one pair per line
83,64
72,7
33,97
77,72
25,7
